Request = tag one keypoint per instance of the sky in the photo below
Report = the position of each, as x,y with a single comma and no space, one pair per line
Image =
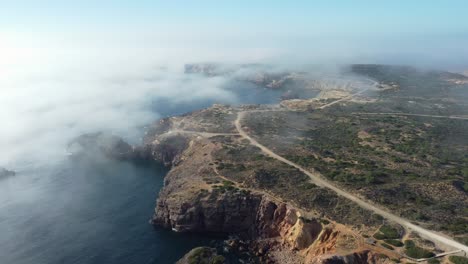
417,32
71,67
245,17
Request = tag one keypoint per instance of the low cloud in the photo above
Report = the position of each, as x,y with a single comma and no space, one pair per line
52,90
43,107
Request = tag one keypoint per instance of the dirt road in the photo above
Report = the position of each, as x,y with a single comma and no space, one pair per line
199,133
438,238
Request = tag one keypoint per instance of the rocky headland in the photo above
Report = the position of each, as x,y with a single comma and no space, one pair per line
221,183
201,195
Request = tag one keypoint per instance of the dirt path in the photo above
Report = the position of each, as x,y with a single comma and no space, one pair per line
203,134
373,84
342,99
438,238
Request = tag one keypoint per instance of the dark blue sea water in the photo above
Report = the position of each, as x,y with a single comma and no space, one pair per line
86,211
94,210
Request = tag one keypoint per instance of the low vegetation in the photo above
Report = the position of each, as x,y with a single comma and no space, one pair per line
205,255
458,260
413,251
394,242
385,245
433,261
406,164
387,232
249,168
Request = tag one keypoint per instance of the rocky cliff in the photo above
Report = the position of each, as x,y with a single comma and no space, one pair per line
215,186
197,198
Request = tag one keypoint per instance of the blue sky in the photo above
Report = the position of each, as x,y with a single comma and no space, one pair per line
339,27
280,17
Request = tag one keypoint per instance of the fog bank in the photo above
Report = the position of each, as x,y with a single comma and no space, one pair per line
54,87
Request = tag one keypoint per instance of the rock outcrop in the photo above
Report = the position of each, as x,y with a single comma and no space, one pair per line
4,173
230,212
101,143
201,255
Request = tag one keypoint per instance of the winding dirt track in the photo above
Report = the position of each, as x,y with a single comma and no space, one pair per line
440,239
203,134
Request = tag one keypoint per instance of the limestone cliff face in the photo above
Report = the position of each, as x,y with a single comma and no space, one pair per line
186,206
220,213
234,212
281,220
187,203
195,198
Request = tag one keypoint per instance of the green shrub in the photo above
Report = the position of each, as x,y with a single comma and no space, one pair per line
418,252
413,251
227,183
226,187
199,255
457,226
218,260
433,261
409,243
463,240
394,242
379,236
385,245
458,260
377,217
389,232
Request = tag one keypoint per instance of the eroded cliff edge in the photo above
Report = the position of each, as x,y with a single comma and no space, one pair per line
204,193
